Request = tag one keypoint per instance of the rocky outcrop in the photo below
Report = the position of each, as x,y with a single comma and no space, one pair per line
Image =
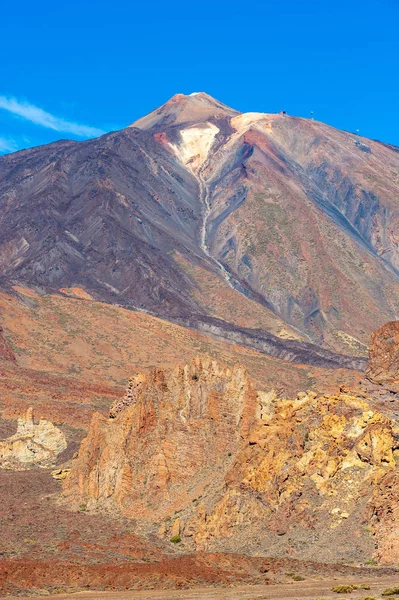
308,466
32,444
132,394
383,365
198,454
60,473
169,442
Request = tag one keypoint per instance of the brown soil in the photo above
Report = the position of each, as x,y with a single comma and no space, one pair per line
305,590
59,398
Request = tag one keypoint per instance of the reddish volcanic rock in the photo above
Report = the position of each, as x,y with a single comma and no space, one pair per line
6,350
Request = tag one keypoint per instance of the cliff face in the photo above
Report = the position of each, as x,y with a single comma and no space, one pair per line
383,514
383,365
382,382
167,440
199,453
305,474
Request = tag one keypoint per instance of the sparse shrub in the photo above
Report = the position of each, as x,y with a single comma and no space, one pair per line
391,591
82,507
363,586
371,561
344,589
175,539
295,577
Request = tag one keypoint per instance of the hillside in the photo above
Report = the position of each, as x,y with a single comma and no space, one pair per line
274,223
69,356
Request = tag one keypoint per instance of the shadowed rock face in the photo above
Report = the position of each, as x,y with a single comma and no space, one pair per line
199,453
383,512
196,203
105,215
383,365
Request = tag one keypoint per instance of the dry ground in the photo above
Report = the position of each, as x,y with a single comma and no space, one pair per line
47,549
306,590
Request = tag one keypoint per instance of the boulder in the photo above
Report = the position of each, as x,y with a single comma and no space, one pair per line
32,444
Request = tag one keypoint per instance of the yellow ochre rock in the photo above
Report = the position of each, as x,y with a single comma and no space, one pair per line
201,441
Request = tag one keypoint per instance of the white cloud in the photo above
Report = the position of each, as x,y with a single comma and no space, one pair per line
36,115
7,145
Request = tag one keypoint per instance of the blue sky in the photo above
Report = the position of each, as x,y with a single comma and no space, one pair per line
77,68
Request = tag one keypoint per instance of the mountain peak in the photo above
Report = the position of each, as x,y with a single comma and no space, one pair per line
182,108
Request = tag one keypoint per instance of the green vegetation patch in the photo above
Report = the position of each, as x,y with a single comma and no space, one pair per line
175,539
344,589
363,586
295,577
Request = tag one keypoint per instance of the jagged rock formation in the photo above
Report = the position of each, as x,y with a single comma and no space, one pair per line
199,453
32,444
383,515
383,365
132,395
382,384
169,444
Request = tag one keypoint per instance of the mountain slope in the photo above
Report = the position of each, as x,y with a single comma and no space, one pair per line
290,200
289,221
313,225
